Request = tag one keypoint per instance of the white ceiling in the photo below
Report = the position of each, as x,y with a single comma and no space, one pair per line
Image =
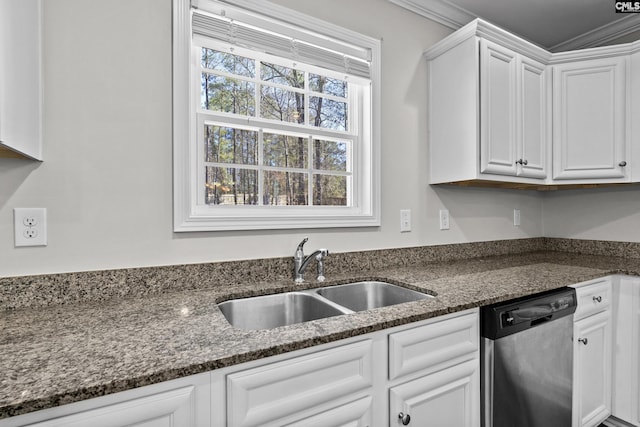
556,25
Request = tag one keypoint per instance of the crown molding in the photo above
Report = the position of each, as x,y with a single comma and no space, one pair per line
601,35
455,17
488,31
440,11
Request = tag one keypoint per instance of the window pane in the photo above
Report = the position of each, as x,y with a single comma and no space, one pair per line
329,190
281,75
285,188
328,114
281,104
231,186
227,95
330,155
285,151
230,145
234,64
328,85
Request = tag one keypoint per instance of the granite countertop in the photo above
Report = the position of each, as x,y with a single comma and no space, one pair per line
65,353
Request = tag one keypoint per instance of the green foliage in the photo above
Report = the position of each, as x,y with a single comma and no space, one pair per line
229,86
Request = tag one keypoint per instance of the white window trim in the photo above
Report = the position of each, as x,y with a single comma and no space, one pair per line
189,216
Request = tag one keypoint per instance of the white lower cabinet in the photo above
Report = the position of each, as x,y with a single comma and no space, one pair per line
435,374
428,370
448,398
176,403
592,347
626,356
167,409
592,369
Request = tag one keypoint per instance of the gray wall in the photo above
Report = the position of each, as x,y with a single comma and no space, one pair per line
598,214
106,178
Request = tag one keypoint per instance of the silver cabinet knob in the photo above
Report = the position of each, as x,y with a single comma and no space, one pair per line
405,419
597,299
525,162
583,340
622,164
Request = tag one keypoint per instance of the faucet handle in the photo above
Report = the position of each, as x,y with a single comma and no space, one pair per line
321,254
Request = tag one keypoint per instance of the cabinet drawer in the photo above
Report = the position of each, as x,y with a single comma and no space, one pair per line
434,346
171,408
257,396
593,297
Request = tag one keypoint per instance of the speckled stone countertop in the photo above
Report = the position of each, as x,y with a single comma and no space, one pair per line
52,354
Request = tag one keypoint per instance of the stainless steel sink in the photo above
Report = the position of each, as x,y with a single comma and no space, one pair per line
360,296
271,311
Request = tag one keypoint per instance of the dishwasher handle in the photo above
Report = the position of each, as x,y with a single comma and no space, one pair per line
531,313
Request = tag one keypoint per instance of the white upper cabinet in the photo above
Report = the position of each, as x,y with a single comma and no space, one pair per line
512,119
589,106
502,110
498,69
533,126
20,79
487,104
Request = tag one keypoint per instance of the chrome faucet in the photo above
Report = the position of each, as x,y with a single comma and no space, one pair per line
300,262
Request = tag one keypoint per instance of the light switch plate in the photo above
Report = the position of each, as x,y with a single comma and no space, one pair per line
405,220
444,219
30,226
516,217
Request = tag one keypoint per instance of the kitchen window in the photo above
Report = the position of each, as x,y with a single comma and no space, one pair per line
275,124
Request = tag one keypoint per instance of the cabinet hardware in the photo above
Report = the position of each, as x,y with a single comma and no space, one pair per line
522,162
405,419
622,164
597,299
583,340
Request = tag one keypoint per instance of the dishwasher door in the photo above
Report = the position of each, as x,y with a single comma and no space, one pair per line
527,377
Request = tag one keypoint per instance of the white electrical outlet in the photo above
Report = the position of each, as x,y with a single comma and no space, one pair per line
516,217
30,226
405,220
444,219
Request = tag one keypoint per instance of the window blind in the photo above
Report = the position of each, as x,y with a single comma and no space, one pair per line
249,36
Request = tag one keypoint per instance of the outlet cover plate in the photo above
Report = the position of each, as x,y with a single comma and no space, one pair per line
30,226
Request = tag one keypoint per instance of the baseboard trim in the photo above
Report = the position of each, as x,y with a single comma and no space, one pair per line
615,422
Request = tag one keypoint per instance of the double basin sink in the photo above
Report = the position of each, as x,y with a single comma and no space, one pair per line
272,311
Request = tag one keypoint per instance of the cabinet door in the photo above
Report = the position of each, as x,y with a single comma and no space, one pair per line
169,409
21,79
589,107
497,109
448,398
532,119
592,370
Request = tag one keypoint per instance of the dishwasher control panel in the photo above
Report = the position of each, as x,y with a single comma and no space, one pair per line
512,316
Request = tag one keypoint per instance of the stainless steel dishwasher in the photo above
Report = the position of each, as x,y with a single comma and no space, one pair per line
527,361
